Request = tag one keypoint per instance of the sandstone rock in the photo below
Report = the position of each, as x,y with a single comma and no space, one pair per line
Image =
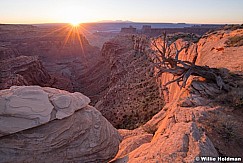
192,124
7,53
181,143
177,138
51,125
214,52
66,105
26,107
29,70
132,143
23,70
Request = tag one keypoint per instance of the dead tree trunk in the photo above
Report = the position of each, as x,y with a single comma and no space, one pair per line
167,62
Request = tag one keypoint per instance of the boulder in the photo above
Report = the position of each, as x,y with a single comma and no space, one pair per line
50,125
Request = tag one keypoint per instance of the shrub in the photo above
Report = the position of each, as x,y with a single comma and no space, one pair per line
234,41
233,27
226,129
234,98
185,36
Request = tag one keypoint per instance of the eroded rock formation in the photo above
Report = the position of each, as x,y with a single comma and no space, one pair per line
197,120
50,125
128,94
7,53
29,70
23,70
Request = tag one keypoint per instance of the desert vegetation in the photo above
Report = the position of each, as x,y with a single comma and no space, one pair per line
232,99
234,41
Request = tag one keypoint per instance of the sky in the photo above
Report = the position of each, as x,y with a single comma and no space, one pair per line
171,11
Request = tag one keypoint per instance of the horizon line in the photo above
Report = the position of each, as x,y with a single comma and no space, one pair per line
115,21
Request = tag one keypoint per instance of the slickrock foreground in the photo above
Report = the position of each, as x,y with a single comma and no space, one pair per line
50,125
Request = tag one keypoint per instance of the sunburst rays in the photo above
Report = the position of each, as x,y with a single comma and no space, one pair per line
71,34
74,35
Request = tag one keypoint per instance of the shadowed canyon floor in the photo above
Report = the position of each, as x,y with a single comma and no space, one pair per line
177,125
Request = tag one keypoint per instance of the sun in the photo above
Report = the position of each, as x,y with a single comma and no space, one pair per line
75,23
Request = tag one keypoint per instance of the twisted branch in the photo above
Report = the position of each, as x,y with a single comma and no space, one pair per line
181,70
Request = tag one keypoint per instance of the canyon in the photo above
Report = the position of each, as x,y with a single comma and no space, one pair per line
198,120
122,85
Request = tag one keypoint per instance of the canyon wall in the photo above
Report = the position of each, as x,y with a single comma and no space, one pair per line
23,70
29,70
198,120
128,92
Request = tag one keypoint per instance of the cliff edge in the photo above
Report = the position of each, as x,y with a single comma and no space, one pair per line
200,119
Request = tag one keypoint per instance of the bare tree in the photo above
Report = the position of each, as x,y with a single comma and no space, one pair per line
167,61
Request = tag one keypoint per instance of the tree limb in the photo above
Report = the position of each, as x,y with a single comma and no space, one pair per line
169,63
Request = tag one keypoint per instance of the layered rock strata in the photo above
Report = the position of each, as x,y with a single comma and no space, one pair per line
50,125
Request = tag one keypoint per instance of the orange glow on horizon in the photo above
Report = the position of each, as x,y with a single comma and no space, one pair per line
75,23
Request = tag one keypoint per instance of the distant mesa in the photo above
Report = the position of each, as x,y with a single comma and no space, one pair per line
115,21
130,29
148,30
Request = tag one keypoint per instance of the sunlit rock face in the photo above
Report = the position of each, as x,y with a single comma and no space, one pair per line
50,125
222,49
193,122
181,143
